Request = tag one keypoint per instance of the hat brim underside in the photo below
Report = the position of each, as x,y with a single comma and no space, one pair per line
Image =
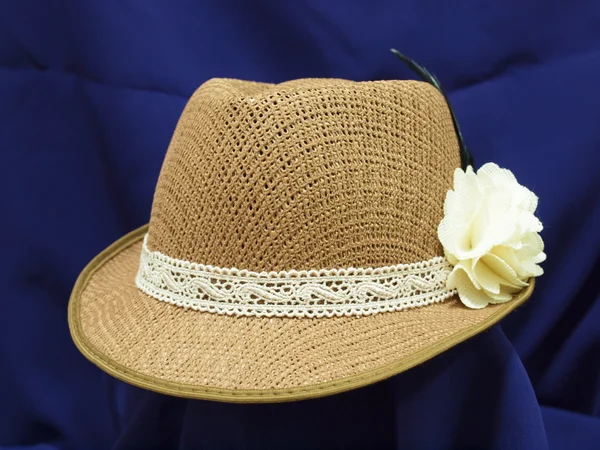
186,353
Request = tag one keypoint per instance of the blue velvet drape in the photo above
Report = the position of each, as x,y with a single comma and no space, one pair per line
90,92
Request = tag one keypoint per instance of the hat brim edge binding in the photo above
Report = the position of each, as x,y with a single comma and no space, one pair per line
132,377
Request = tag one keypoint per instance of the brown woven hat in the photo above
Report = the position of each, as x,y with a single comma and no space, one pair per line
292,250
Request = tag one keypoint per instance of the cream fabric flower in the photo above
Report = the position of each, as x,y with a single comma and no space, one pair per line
490,235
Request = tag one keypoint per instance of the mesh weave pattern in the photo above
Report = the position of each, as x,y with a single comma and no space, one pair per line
308,174
205,349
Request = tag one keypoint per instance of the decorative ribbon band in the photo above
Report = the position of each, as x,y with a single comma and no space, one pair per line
313,293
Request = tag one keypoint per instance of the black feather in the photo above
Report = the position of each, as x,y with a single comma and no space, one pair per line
465,155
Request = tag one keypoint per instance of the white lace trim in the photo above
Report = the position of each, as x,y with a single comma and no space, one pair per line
314,293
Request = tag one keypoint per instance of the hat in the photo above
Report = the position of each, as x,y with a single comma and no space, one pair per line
307,238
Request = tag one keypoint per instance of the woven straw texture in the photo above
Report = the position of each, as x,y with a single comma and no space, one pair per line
309,174
202,350
306,174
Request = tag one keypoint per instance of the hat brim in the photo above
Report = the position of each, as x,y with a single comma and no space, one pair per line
186,353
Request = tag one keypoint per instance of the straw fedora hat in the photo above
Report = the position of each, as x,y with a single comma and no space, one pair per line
307,238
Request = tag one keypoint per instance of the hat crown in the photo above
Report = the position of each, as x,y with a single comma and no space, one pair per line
307,174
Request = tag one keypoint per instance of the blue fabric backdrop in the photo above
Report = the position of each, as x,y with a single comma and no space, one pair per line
90,92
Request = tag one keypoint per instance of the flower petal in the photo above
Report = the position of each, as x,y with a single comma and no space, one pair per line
468,294
500,297
509,256
506,294
506,274
460,206
467,267
539,258
486,277
532,246
491,171
529,223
